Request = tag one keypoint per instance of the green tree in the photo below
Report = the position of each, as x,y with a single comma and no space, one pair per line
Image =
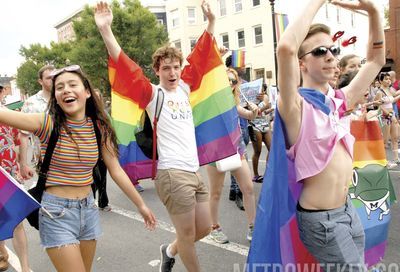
386,16
37,56
27,77
135,28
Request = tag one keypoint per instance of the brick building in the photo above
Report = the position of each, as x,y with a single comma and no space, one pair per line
392,36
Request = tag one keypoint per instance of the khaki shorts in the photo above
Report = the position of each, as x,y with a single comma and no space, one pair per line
180,190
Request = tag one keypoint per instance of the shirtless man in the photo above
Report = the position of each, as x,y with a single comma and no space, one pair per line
322,153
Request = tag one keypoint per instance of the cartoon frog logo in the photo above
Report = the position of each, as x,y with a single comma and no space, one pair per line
371,187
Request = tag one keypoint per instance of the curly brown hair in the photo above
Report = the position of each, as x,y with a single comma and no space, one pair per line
166,52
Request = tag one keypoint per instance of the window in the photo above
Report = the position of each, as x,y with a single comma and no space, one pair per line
338,15
177,44
241,40
192,43
259,73
238,5
191,16
326,11
258,38
175,18
225,39
222,7
256,3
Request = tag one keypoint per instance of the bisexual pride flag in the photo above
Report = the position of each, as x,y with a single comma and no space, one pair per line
214,110
15,204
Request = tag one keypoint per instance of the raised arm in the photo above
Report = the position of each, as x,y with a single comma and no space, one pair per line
375,50
24,121
205,6
288,63
104,17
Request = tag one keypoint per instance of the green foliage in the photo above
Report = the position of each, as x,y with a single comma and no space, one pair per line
386,16
37,56
27,77
135,28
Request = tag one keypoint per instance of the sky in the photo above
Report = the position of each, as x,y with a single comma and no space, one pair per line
24,22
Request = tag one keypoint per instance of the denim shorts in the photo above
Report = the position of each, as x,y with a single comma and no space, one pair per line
68,221
334,237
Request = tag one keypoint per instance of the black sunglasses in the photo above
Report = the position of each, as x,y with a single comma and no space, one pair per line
323,50
233,81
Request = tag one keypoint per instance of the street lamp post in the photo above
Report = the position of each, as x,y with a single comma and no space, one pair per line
272,2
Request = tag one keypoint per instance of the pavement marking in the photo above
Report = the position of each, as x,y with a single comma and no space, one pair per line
154,263
233,247
13,260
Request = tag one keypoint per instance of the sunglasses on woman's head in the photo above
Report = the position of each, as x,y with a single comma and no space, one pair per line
323,50
71,68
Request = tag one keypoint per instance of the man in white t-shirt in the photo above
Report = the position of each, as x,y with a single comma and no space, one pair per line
178,182
35,104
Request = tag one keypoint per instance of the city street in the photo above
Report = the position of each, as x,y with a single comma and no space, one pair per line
127,246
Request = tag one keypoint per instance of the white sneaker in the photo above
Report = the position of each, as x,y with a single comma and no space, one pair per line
218,236
391,165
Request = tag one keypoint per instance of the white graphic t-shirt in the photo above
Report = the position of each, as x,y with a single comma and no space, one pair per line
176,141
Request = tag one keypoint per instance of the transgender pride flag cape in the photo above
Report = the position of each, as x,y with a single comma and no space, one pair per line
15,205
213,105
276,245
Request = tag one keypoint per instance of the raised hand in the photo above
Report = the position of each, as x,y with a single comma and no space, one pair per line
103,15
205,6
367,5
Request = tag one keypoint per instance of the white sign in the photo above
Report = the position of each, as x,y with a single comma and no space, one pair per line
273,96
249,91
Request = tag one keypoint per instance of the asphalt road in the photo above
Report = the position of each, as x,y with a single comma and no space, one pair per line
127,246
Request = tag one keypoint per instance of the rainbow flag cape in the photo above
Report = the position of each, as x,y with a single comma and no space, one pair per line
371,189
281,22
214,109
276,243
15,204
238,58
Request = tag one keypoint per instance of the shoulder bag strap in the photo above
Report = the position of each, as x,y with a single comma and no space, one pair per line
44,168
157,112
98,138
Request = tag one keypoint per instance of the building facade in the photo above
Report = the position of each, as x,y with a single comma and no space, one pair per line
247,25
65,30
392,37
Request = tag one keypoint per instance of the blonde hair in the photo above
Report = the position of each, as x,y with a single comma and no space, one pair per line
235,90
314,29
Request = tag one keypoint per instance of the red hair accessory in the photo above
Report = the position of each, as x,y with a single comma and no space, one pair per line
337,35
349,41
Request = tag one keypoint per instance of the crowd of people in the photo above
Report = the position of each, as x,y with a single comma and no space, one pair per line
309,68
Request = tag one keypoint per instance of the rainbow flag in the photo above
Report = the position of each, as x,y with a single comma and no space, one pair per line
238,58
371,190
214,110
15,205
276,244
281,22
